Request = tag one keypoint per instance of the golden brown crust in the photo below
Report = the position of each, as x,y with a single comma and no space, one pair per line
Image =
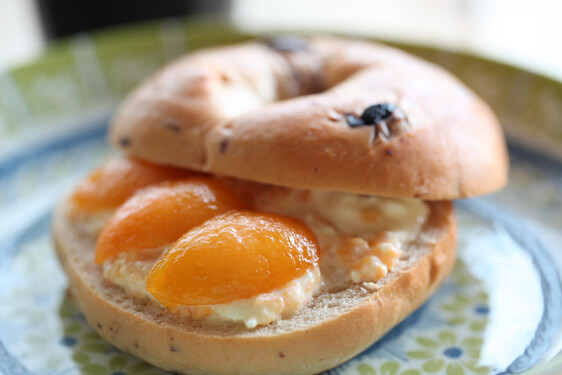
233,111
321,337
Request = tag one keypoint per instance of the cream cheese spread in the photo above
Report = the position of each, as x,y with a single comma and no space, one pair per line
348,227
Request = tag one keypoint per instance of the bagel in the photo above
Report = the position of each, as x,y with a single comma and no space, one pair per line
334,143
289,113
333,328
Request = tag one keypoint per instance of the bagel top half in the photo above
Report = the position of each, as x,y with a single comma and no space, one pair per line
318,113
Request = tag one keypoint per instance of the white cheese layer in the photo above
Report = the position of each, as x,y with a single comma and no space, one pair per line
269,307
262,309
349,214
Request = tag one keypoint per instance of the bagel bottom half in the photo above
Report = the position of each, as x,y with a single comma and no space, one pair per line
335,326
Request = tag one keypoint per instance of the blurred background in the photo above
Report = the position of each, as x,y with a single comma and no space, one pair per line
525,33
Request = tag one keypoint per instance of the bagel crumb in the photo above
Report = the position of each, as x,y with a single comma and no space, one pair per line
371,286
382,130
334,116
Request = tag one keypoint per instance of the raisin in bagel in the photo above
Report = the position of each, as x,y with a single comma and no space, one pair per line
292,112
332,328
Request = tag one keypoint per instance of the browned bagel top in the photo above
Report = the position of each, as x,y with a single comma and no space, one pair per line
291,112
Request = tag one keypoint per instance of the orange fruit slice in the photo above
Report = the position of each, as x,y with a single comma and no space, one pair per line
233,256
158,215
111,185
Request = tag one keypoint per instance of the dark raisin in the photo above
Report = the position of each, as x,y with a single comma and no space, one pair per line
172,126
372,115
353,120
125,142
224,145
287,43
376,113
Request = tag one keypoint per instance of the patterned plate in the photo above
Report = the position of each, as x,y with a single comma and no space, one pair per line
499,312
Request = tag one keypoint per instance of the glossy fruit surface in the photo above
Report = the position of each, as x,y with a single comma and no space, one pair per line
234,256
112,184
158,215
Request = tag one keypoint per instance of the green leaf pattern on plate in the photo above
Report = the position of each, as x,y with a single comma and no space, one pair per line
91,353
446,351
387,368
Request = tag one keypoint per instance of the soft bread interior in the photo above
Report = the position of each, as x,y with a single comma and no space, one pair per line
333,327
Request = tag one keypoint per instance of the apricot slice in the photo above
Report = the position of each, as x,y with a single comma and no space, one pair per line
158,215
111,185
233,256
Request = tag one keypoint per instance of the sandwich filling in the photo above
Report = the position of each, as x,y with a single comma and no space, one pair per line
130,272
229,250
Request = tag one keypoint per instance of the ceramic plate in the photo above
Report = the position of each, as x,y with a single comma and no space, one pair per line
500,311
